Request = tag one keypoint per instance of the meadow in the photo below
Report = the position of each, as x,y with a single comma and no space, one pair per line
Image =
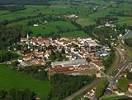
10,79
88,13
53,27
74,34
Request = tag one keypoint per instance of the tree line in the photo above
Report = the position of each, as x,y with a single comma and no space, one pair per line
12,8
23,2
9,35
14,94
7,55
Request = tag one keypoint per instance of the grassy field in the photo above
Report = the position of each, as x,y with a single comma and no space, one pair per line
85,21
85,11
74,34
32,10
122,84
86,15
53,27
125,20
11,79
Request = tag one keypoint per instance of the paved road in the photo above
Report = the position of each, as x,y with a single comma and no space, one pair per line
81,91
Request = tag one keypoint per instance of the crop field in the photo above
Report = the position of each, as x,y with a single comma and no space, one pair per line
11,79
32,10
85,12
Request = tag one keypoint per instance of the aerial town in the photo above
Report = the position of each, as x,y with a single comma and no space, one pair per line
65,49
82,55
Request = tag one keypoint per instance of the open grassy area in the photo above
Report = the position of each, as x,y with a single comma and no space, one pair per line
85,21
122,84
11,79
32,10
53,27
125,20
84,10
74,34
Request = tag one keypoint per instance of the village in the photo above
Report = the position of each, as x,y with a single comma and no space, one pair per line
80,56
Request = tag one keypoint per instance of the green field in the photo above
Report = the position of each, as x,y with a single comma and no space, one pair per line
32,10
11,79
85,11
125,20
74,34
53,27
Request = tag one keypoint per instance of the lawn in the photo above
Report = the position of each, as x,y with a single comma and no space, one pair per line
11,79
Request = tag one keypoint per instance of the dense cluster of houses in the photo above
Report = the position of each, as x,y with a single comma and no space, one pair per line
82,54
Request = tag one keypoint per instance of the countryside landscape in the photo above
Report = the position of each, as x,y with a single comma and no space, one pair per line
65,49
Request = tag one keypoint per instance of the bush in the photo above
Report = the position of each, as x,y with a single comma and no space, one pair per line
7,55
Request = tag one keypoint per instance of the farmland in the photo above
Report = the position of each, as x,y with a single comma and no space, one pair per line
87,12
10,79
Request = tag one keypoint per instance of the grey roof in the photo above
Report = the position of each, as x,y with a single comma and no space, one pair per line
70,63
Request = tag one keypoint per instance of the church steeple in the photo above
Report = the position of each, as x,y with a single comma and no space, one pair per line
27,36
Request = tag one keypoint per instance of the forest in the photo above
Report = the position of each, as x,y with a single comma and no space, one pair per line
10,35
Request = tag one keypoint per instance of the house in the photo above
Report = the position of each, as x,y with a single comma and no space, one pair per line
130,88
35,25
